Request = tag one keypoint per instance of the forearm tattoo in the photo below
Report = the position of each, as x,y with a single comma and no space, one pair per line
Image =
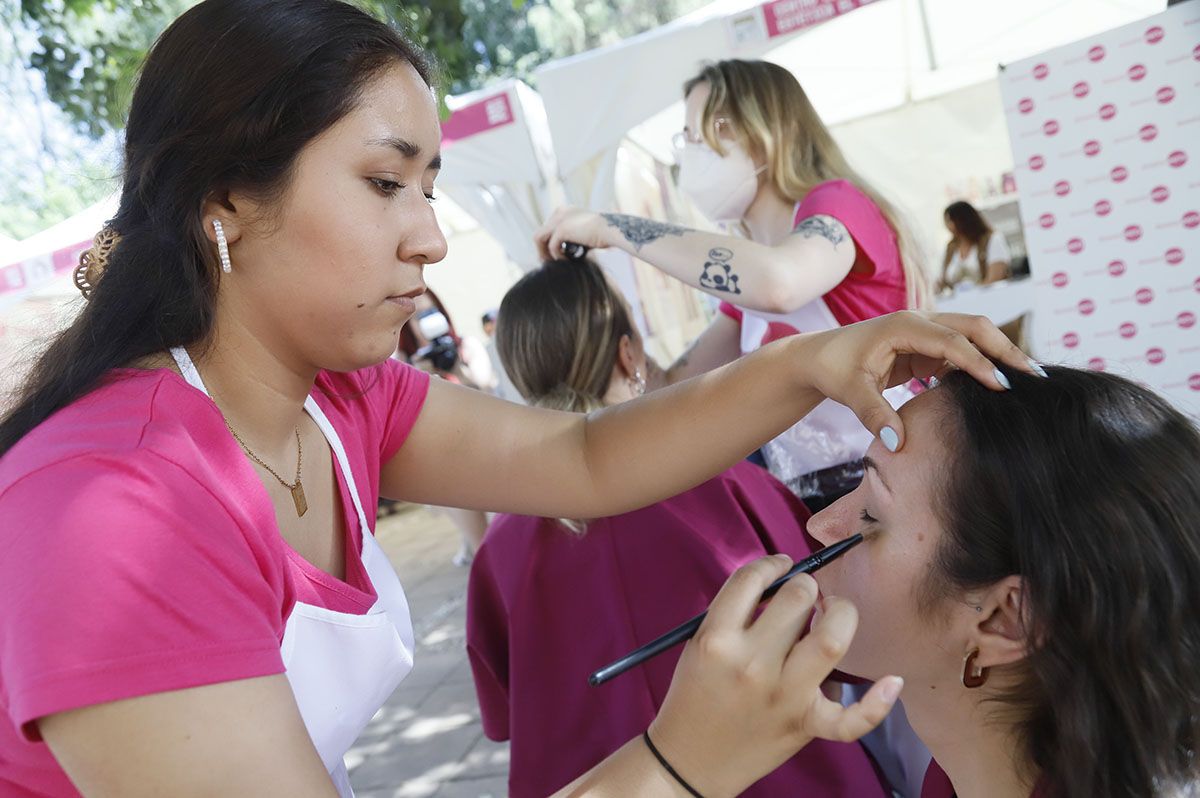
718,275
639,231
824,226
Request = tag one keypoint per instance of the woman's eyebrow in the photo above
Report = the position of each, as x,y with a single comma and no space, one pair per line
868,463
406,148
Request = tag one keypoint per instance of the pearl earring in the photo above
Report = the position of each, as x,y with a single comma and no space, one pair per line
638,383
222,247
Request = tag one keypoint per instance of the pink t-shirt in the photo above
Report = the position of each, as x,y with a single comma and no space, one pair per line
140,552
876,286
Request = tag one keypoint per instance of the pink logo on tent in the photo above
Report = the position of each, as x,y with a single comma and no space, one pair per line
1196,285
1108,111
1127,330
1164,95
1137,72
1081,89
1186,320
1154,35
1160,193
1091,148
1196,52
1191,219
1059,279
1154,356
1096,364
1144,296
1025,106
1036,162
1177,158
1103,208
1096,53
1050,128
1070,340
1087,307
1040,71
1194,382
1119,173
1174,256
1062,188
1046,220
1075,246
1148,133
1116,268
1133,232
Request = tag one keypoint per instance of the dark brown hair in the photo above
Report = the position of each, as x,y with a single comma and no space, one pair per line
559,333
228,97
1086,485
968,222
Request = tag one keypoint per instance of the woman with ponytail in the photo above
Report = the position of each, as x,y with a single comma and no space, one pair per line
542,589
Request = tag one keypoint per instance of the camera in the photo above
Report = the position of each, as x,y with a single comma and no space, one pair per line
442,349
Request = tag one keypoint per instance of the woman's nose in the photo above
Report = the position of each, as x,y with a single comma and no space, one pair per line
829,526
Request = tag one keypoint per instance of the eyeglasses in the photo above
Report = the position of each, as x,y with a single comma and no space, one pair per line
686,137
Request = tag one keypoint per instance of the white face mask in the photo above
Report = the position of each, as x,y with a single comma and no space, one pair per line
722,188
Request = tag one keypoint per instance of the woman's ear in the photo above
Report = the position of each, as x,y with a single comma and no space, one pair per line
628,355
1000,633
220,205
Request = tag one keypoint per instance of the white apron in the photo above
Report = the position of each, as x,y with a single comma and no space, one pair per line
831,434
342,667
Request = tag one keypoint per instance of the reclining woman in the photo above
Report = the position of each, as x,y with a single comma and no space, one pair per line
1032,571
549,601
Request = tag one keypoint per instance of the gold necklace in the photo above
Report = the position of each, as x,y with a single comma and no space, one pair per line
298,488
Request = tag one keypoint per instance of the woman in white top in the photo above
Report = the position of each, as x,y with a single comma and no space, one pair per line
976,254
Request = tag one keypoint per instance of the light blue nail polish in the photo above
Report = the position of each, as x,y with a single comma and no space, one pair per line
1037,368
890,439
1000,378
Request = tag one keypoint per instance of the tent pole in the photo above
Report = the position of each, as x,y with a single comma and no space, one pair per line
928,38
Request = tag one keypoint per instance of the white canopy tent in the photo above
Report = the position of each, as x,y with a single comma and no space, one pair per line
499,164
908,86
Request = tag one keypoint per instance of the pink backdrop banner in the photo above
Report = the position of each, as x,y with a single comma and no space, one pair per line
1106,140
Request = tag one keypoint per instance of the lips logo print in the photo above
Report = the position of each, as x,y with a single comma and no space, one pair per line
1091,148
1127,330
1177,159
1062,188
1160,193
1133,232
1059,279
1144,296
1137,72
1025,106
1118,174
1148,133
1075,246
1186,320
1070,340
1081,89
1164,95
1096,54
1103,208
1116,268
1096,364
1050,128
1154,356
1108,111
1086,307
1040,71
1046,221
1191,220
1154,35
1174,256
1036,162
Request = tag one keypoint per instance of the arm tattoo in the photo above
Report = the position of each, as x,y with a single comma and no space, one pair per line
639,231
718,275
825,226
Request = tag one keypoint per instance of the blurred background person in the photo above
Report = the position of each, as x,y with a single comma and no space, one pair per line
976,254
549,601
812,247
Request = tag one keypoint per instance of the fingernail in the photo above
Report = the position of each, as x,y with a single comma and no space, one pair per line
890,688
890,439
1000,378
1037,368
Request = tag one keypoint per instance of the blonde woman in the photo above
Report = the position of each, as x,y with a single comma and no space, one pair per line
816,248
567,340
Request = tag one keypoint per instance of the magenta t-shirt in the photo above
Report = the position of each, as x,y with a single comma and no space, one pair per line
863,294
139,552
546,607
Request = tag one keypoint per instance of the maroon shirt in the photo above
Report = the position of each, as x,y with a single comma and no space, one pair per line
546,607
937,785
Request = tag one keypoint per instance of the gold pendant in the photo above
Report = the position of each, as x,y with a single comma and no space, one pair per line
300,501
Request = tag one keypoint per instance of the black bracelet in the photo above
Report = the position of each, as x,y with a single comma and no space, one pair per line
663,761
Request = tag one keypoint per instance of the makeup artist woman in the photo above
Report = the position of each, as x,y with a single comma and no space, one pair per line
192,599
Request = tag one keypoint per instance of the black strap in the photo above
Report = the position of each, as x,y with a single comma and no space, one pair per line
663,761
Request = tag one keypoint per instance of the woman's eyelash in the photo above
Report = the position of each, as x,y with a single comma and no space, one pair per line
386,187
866,517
